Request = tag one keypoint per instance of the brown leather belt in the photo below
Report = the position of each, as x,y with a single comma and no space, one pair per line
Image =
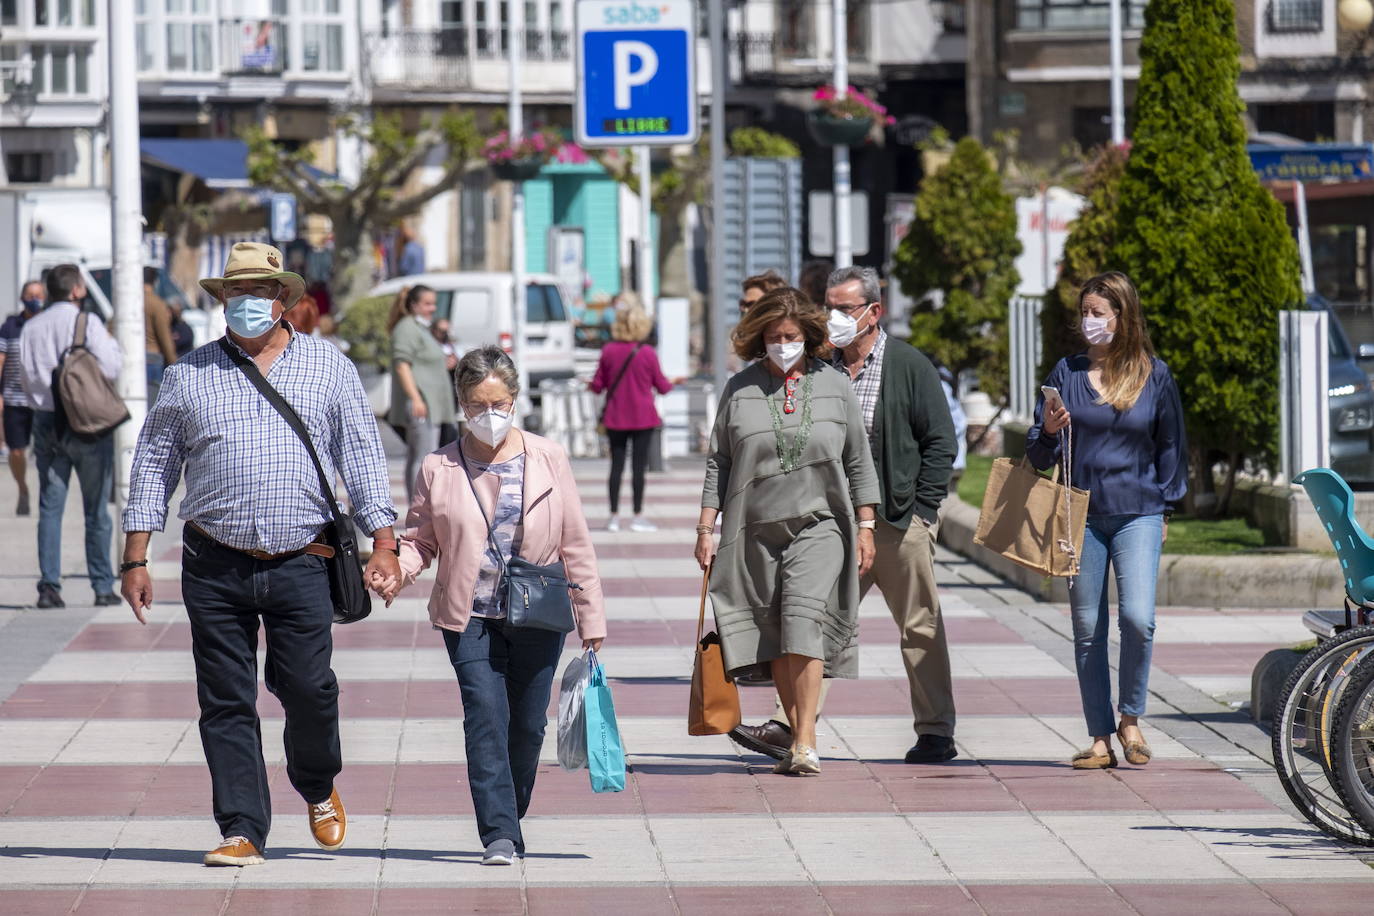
314,548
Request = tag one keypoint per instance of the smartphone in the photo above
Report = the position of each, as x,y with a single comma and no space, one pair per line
1052,398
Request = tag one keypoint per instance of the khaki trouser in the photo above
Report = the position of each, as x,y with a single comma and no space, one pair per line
904,569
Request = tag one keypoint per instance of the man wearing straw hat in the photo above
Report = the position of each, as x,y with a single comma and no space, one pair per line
253,513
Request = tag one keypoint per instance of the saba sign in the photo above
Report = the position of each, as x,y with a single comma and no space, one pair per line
636,73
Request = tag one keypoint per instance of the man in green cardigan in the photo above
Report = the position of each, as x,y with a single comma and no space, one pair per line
912,437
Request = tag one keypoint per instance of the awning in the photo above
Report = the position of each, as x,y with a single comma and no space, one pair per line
221,164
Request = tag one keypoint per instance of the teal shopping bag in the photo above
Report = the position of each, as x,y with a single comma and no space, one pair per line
605,754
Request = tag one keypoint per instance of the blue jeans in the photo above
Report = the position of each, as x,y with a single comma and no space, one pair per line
1131,545
505,675
57,454
227,594
157,367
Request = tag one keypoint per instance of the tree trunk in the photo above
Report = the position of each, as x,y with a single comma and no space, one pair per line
1224,502
351,277
673,278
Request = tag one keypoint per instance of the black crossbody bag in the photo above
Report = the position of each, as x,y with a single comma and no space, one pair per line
351,600
536,596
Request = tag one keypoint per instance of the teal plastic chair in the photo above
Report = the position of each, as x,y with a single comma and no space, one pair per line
1335,504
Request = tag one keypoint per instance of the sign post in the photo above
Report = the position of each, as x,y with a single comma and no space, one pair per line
636,73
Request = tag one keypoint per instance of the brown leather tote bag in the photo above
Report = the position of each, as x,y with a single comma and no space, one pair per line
714,707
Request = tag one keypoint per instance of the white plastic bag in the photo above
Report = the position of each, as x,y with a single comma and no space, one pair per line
572,714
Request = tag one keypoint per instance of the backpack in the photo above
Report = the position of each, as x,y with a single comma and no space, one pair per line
87,398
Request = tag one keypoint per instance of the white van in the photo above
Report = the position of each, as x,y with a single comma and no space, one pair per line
477,306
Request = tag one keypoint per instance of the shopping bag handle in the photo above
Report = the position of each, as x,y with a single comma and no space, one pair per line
701,612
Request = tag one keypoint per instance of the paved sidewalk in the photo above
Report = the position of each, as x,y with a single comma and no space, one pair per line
104,797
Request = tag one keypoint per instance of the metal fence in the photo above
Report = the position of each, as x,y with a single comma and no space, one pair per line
1023,329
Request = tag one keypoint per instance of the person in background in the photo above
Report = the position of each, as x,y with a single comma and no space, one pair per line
1127,448
756,287
448,432
629,374
421,396
410,254
956,413
160,349
524,485
183,338
328,330
18,416
305,317
790,471
812,280
57,451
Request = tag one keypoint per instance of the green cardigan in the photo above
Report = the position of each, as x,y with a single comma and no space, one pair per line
913,437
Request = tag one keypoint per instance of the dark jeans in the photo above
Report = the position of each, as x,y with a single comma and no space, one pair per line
226,592
56,455
505,675
620,440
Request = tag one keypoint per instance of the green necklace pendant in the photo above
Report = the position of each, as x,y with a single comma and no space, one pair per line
789,455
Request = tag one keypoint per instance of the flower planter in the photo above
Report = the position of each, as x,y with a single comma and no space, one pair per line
829,130
517,169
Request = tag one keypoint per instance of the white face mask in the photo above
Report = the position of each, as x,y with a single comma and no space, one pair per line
1095,330
844,328
491,427
785,355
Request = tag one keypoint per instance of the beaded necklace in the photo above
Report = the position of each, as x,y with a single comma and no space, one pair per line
788,455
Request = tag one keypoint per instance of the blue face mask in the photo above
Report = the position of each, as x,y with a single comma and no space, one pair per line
33,306
249,316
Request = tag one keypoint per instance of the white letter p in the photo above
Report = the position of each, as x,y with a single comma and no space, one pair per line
625,78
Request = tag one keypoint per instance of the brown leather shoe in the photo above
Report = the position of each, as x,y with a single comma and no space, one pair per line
1137,752
772,738
328,823
234,850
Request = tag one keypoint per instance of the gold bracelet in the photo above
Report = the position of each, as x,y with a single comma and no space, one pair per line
706,529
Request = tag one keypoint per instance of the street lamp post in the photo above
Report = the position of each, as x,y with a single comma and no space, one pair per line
1118,92
844,244
516,116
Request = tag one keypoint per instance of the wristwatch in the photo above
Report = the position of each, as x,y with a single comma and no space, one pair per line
869,523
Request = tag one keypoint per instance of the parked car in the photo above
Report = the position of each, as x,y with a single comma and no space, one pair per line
477,306
1351,400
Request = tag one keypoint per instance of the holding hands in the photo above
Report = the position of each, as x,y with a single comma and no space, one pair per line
383,572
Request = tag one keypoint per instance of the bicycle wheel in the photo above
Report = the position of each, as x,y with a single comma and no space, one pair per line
1352,759
1301,749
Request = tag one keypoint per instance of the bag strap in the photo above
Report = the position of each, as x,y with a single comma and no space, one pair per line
79,339
625,367
701,613
288,414
1066,458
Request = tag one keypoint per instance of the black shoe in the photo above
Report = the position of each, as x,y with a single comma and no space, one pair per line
49,596
22,508
109,599
772,738
932,749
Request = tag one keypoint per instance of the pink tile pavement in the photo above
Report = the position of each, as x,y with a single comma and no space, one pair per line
1049,900
1156,899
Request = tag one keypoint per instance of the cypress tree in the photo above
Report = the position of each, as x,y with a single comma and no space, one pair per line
1206,244
958,262
1091,236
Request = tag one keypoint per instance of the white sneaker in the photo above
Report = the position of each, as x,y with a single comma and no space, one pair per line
640,523
613,524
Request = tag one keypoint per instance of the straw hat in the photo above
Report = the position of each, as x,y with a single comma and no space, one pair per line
256,261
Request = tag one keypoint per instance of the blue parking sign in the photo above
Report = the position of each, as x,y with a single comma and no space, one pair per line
636,74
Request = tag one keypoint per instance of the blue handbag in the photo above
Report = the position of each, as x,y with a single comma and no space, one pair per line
605,753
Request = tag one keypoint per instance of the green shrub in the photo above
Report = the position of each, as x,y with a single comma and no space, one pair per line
364,328
1091,236
1206,244
962,244
762,144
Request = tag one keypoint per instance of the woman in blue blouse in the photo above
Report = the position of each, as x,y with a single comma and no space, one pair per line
1129,451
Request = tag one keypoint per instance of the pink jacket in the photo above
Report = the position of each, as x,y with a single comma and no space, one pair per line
446,522
631,405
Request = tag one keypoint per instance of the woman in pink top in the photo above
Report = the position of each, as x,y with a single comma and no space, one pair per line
629,374
505,673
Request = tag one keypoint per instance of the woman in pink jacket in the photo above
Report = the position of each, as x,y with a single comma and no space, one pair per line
505,674
629,374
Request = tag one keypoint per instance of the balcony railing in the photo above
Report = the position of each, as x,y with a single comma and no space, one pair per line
950,15
773,55
252,47
1294,17
441,58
